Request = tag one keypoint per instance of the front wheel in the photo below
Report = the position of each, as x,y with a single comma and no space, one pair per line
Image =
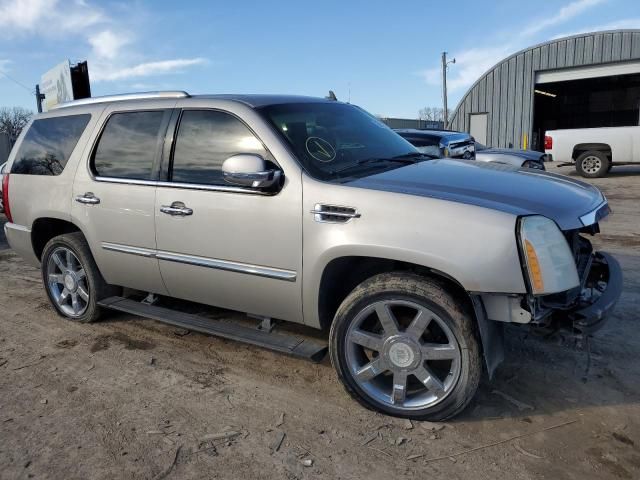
404,346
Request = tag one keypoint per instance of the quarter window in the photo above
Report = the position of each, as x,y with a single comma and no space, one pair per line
205,140
48,144
128,145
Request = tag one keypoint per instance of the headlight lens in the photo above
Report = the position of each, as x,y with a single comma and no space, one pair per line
549,262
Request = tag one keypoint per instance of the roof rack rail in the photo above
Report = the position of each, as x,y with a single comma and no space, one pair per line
123,97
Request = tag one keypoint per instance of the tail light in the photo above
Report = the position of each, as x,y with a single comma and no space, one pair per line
548,142
5,196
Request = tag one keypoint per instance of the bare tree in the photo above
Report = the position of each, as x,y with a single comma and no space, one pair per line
432,114
427,113
13,120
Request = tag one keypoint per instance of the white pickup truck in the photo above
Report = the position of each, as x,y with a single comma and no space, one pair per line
594,150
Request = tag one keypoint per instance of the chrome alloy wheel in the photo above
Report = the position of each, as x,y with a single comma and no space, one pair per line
402,354
591,164
67,282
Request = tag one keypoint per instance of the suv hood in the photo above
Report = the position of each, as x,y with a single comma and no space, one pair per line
526,154
497,186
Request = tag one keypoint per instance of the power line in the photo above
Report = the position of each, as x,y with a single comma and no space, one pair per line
30,90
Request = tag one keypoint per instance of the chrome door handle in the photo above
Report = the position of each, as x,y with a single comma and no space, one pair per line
335,214
88,198
176,208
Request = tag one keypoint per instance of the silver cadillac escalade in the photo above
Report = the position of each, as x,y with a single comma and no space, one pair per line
309,211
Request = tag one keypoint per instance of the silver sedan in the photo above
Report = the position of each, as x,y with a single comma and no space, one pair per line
510,156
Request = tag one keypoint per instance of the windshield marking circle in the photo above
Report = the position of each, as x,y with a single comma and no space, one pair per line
320,149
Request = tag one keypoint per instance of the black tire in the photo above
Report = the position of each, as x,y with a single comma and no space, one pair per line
432,295
593,164
533,164
98,288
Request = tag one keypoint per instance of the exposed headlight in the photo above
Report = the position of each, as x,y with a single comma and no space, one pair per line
550,266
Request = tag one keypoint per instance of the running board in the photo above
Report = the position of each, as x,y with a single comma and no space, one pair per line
284,343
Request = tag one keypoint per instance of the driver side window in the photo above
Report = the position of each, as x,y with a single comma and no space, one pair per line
206,138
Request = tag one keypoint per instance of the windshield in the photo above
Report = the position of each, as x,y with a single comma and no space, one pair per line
334,141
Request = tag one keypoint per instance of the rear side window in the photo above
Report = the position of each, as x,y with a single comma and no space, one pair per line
428,145
206,138
128,145
48,144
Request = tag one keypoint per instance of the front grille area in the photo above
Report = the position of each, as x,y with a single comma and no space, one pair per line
582,254
582,250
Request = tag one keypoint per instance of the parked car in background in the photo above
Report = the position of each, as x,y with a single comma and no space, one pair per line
449,144
594,151
511,156
309,211
3,167
441,143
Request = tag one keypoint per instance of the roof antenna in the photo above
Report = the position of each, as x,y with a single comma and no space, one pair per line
332,96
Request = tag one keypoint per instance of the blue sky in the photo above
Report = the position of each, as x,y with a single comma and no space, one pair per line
385,55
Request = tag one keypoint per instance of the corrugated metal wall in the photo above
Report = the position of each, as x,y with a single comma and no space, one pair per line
506,91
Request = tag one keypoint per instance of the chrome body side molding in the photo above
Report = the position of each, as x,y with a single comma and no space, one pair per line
116,247
189,186
246,268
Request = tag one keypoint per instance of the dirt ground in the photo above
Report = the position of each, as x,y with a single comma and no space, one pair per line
132,398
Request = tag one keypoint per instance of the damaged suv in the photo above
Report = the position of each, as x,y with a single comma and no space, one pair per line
309,211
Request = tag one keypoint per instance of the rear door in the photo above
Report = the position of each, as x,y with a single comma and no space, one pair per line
114,197
237,247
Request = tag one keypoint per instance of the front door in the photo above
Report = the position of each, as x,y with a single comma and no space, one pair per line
114,198
232,247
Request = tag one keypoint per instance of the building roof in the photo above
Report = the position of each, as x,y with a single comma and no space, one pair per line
505,91
625,46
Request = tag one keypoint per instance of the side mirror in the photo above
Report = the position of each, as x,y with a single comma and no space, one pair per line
249,170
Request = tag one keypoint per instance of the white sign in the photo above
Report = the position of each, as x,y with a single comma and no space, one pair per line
56,85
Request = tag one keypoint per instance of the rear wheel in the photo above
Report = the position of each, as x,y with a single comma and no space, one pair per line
403,345
593,164
72,279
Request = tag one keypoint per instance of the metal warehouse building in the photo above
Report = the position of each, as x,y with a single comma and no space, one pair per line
587,80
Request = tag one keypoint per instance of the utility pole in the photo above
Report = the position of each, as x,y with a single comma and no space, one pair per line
39,98
444,88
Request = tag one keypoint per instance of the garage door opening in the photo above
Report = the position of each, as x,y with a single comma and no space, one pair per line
612,101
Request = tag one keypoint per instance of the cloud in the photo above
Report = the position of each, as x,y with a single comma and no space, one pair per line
566,13
46,17
628,23
105,37
23,14
108,44
472,63
4,63
148,69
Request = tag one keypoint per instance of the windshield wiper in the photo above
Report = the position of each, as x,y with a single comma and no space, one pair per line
415,155
364,161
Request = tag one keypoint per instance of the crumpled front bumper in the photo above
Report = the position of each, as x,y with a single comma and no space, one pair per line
601,290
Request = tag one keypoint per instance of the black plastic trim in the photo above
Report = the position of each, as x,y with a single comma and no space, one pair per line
592,317
284,343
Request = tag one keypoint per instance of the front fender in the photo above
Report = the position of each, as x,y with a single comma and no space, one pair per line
473,245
